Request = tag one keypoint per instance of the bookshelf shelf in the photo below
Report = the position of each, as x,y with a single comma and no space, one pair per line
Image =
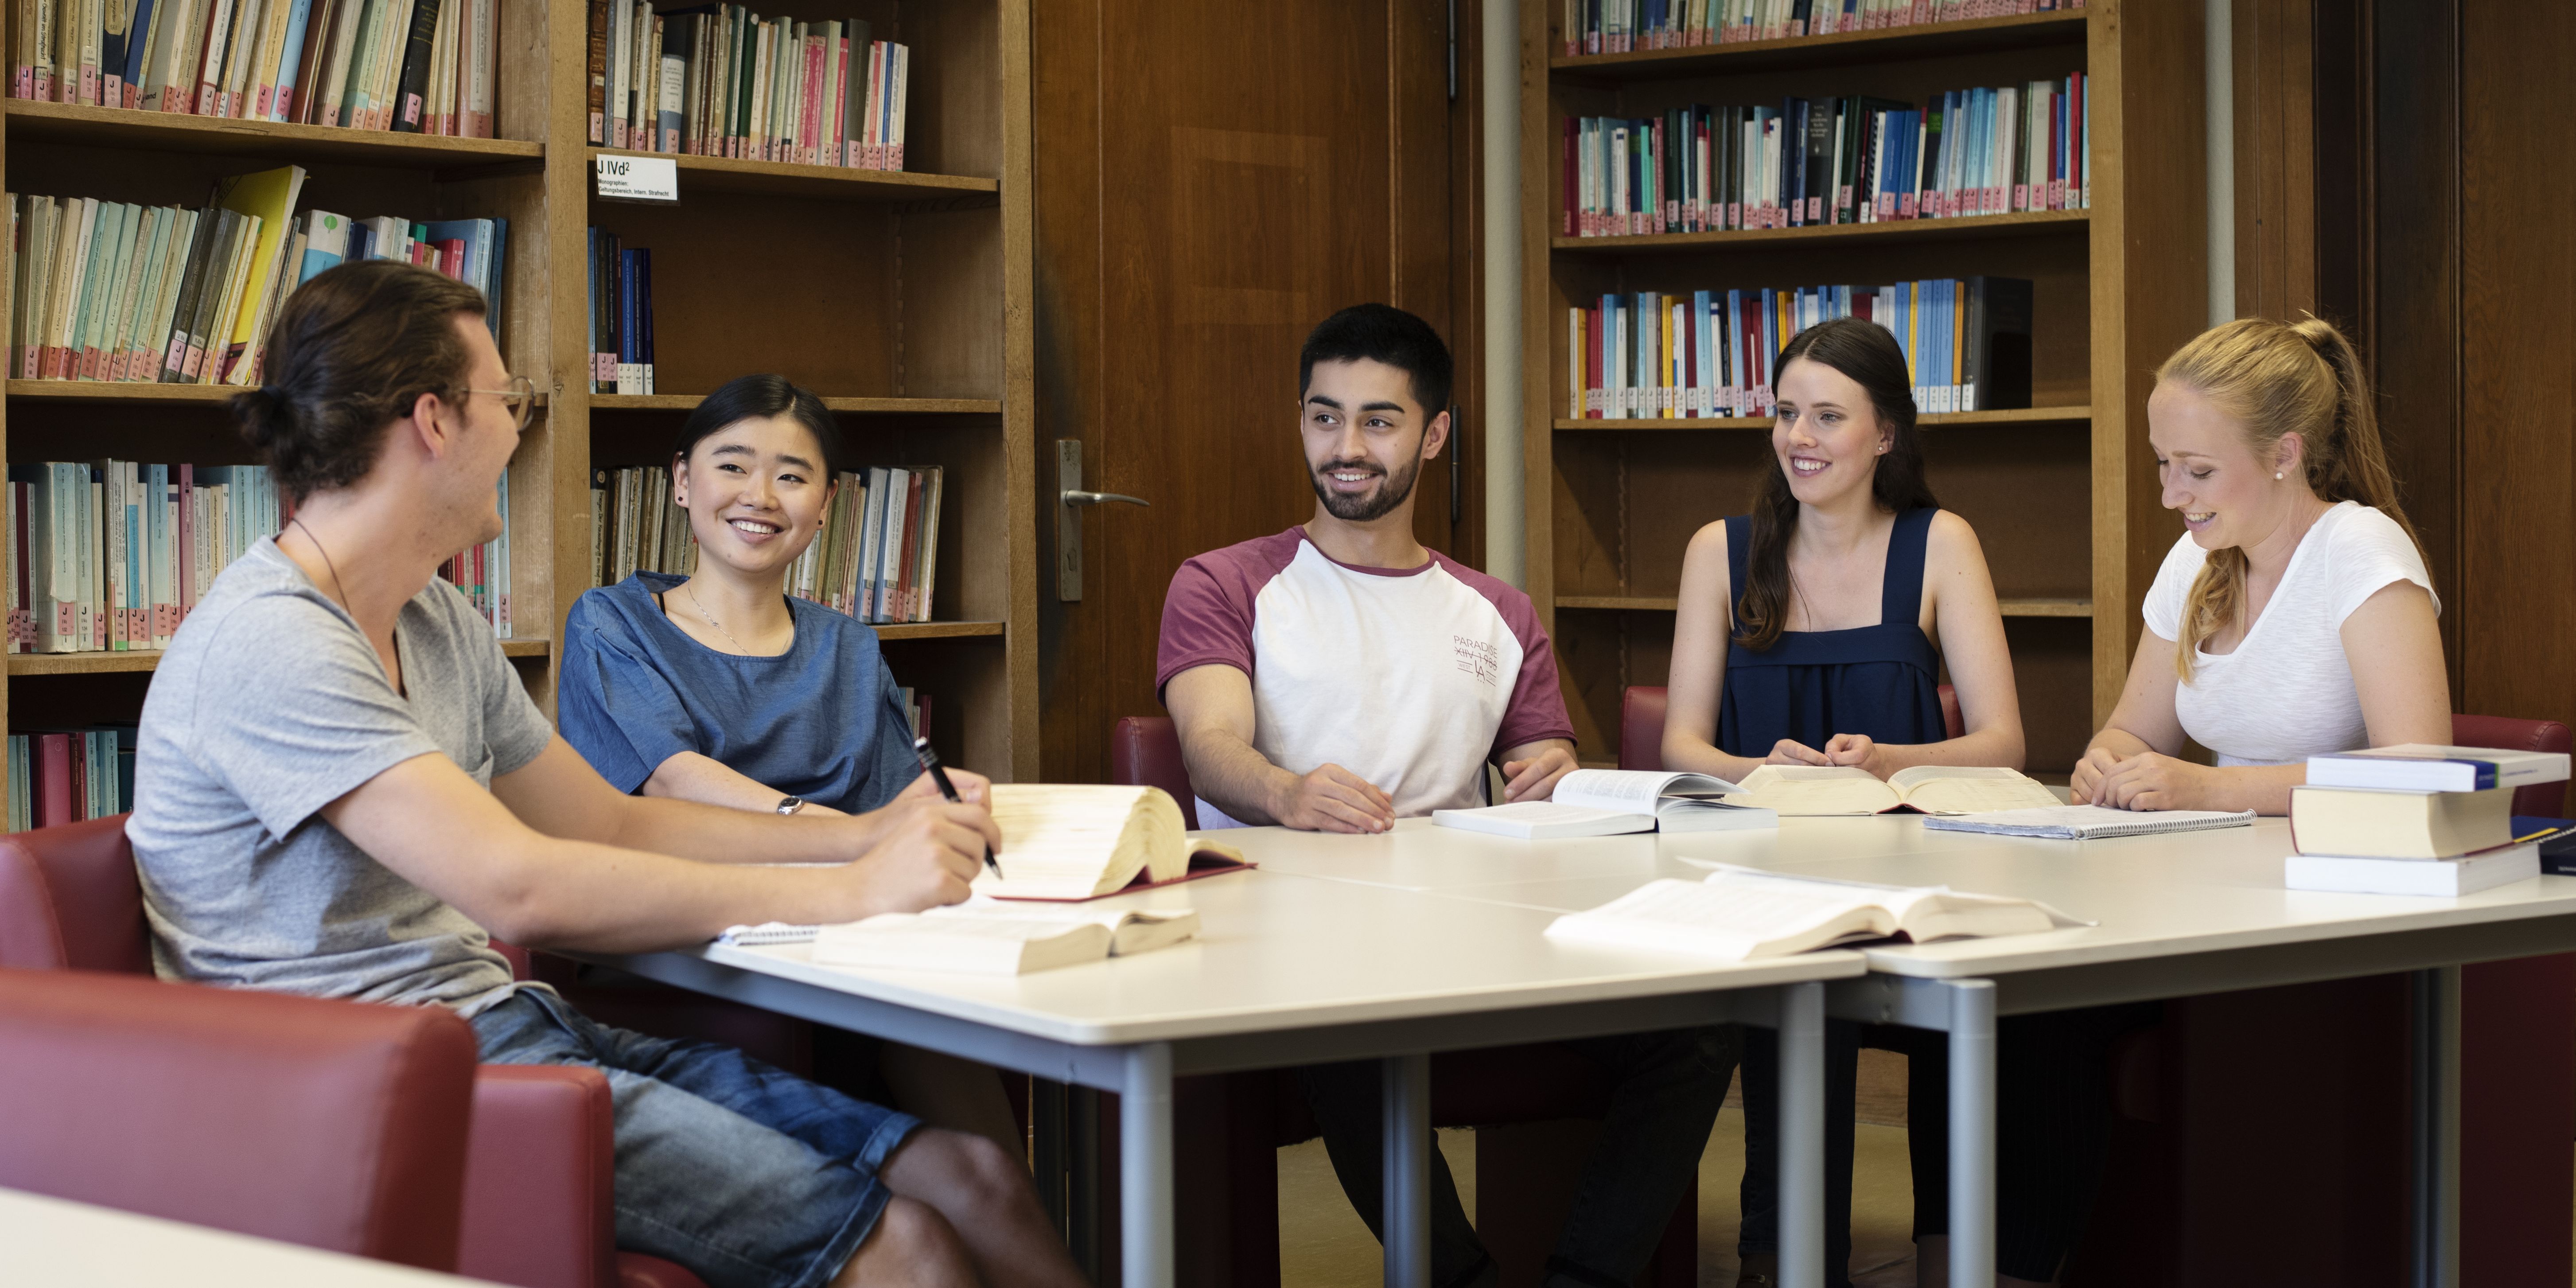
828,182
2028,223
128,391
1927,40
2062,496
174,131
861,406
943,630
147,659
1928,420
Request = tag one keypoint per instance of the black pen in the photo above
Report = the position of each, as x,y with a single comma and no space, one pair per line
930,765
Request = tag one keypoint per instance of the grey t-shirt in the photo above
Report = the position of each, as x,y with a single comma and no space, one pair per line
269,705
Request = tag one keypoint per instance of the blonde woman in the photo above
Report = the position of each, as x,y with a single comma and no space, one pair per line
2294,616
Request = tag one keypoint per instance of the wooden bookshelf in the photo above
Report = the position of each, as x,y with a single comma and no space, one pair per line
2062,494
905,298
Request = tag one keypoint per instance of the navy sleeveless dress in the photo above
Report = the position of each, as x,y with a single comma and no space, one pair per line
1883,680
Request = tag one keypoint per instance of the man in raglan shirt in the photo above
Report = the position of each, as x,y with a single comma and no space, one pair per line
1339,676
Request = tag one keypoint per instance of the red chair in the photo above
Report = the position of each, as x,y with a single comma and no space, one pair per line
1145,751
1255,1114
1641,724
538,1207
327,1124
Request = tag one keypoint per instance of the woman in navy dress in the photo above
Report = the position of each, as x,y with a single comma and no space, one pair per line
718,687
1806,636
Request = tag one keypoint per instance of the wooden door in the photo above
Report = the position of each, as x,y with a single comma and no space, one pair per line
1212,180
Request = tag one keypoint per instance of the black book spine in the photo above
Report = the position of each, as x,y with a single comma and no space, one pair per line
409,108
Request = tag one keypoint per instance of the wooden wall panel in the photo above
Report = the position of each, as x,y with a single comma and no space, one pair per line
2275,172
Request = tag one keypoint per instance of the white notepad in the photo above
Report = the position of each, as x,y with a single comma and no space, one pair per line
2088,822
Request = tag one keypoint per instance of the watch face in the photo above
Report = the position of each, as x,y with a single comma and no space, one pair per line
791,804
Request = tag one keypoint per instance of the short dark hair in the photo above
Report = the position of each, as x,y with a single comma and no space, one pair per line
745,397
1382,333
350,353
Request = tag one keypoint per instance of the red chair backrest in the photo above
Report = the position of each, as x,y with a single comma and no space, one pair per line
2504,733
1641,724
1145,751
69,900
336,1125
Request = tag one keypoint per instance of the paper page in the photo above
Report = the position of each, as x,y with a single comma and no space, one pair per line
2079,822
1728,920
1057,839
1634,791
1947,794
1519,818
1815,789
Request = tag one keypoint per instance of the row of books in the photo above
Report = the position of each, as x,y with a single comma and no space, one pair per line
1967,343
719,80
108,290
1845,160
2415,819
876,559
409,66
621,316
1623,26
110,556
61,776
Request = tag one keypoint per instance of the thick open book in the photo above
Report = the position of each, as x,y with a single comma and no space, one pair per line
2090,822
989,937
1606,802
1929,789
1064,841
1743,913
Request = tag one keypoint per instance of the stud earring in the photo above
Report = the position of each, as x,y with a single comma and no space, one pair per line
2277,474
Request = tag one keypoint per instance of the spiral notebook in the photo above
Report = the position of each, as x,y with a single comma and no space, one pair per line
2087,822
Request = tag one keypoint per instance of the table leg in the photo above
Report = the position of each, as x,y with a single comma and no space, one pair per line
2434,1006
1972,1133
1145,1167
1082,1180
1407,1147
1048,1153
1802,1136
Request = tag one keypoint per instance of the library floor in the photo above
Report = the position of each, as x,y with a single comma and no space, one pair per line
1322,1243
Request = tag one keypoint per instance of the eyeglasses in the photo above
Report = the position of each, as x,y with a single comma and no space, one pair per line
520,398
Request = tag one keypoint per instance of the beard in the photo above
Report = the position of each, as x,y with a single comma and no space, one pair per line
1391,491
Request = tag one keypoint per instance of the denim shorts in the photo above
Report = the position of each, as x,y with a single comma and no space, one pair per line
748,1175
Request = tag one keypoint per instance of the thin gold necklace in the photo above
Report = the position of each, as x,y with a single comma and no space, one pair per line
692,593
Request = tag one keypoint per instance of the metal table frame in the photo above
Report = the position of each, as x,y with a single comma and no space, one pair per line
1141,1074
1967,1010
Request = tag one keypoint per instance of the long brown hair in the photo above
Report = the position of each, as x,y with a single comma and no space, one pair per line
1867,353
2274,378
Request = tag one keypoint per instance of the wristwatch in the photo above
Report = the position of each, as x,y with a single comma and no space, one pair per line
790,804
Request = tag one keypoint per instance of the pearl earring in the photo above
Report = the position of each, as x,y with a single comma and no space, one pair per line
2277,474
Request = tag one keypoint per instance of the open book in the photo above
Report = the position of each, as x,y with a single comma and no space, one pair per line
1743,913
1074,842
1929,789
1606,802
989,937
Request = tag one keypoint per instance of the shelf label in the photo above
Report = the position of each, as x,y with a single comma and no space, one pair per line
637,178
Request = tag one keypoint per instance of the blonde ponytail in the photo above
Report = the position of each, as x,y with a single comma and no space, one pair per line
2274,378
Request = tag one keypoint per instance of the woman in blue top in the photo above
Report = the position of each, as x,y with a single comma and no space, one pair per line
720,688
1805,636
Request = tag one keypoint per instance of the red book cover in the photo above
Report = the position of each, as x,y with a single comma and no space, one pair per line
904,588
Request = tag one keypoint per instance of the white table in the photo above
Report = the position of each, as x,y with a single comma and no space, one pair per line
61,1244
1288,971
2184,914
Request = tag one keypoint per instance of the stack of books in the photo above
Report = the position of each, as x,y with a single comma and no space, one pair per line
621,316
109,290
877,558
1623,26
410,66
719,80
2414,819
1849,160
1967,343
69,775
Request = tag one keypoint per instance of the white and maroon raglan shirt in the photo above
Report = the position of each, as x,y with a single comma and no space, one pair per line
1412,678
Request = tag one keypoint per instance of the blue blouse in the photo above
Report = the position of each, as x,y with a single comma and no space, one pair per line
822,720
1882,680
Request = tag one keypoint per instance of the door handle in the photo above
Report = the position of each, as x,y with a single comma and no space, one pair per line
1099,498
1070,497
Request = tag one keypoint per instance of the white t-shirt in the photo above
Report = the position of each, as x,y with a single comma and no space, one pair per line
2286,693
1411,678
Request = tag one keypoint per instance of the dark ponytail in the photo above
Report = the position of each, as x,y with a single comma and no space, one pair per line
1867,353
